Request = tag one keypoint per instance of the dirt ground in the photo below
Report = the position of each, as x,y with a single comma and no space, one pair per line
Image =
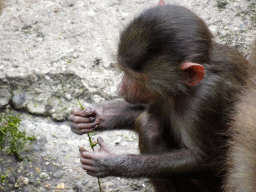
44,44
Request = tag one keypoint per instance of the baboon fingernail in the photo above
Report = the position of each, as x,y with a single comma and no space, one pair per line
91,119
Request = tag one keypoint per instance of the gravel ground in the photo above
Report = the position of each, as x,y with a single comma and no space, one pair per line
53,52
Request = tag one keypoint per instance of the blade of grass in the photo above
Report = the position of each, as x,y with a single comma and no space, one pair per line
91,143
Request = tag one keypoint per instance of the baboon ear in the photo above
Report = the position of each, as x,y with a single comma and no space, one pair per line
161,2
194,73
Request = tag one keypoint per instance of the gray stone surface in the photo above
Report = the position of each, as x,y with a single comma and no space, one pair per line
54,52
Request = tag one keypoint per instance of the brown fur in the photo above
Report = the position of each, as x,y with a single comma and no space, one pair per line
1,6
241,175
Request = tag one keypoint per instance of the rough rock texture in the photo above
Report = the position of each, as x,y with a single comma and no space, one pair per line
54,52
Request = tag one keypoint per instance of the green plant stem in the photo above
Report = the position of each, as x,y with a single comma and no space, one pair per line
12,172
12,140
91,144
